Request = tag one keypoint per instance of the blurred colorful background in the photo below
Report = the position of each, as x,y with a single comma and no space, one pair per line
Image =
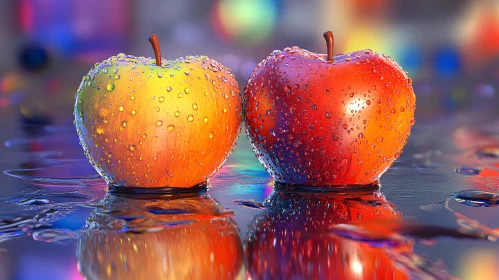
449,47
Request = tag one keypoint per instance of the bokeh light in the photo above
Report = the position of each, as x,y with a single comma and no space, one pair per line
247,22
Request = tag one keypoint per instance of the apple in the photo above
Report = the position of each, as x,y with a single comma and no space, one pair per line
319,120
183,238
298,244
153,123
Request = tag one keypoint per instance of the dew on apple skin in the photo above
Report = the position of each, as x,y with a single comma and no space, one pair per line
211,134
132,147
110,87
194,106
121,108
171,127
124,123
205,119
159,123
161,99
180,95
187,90
169,89
190,118
157,109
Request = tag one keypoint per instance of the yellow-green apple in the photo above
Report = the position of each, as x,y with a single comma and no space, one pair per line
153,123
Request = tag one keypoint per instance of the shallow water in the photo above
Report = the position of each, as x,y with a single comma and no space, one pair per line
434,216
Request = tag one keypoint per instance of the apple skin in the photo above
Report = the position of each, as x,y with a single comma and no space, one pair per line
292,238
142,125
199,240
318,123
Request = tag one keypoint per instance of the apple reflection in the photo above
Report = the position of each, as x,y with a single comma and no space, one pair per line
292,238
188,237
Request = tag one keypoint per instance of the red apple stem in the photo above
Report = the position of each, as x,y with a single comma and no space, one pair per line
330,45
153,39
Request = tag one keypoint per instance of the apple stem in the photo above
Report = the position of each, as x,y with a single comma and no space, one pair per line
330,45
153,39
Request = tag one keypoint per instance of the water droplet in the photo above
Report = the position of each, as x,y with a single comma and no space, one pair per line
169,89
157,109
287,89
211,134
180,95
160,75
110,87
374,71
368,102
194,106
161,99
159,123
476,198
361,135
205,119
467,171
171,127
190,118
117,77
187,90
133,147
224,110
328,115
124,124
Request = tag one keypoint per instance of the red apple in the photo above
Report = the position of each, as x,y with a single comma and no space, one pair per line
328,121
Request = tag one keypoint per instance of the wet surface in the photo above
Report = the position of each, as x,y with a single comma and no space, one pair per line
433,217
